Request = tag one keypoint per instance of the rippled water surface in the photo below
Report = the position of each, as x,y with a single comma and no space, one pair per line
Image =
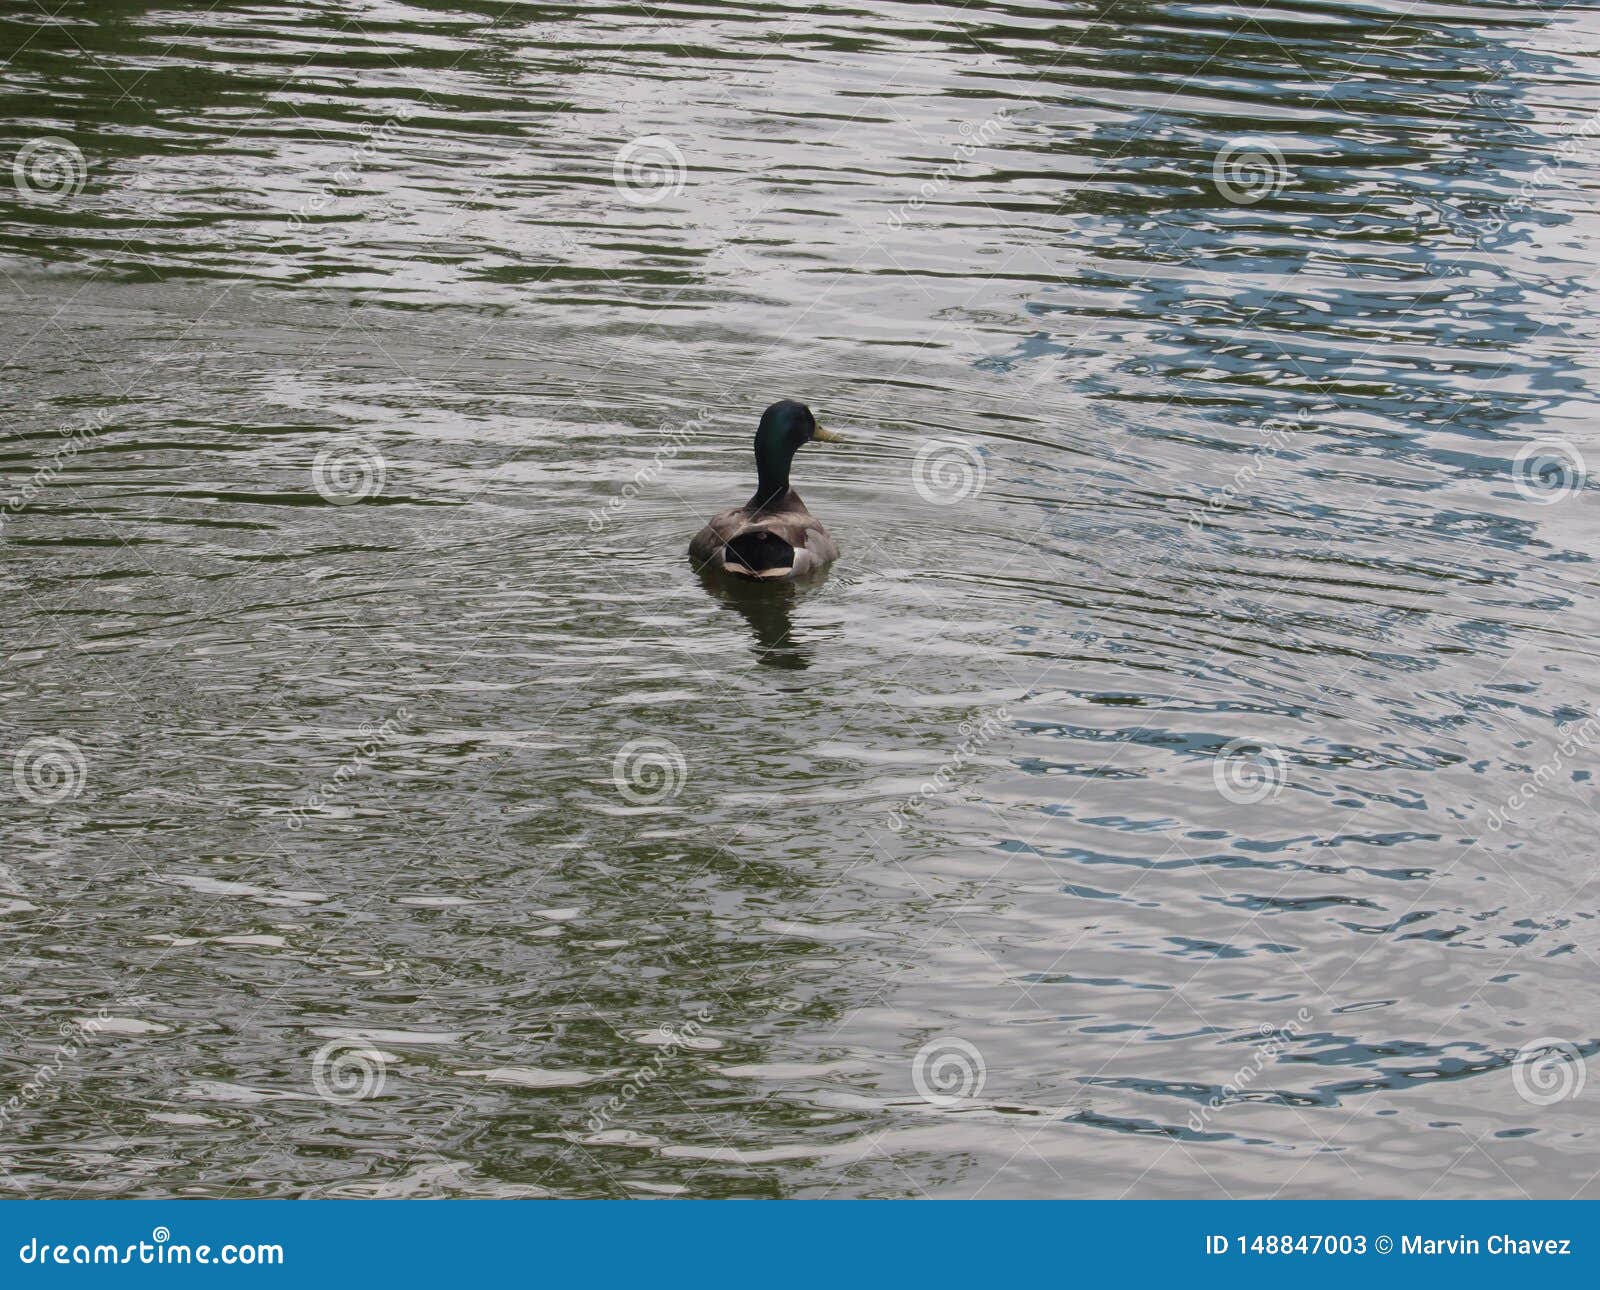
1180,787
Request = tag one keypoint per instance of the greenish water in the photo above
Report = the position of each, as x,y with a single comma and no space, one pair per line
1180,787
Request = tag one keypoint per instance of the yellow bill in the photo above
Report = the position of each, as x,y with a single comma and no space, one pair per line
827,436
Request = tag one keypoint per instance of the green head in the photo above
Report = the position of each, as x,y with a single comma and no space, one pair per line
785,428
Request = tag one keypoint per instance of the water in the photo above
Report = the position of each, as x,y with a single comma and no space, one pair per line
458,841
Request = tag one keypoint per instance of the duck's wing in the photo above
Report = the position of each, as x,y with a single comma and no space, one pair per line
707,546
784,544
817,549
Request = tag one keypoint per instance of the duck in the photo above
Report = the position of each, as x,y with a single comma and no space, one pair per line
772,537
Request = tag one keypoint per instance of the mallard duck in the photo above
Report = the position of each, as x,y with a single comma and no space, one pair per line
771,536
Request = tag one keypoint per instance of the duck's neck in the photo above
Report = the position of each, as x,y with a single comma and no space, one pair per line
768,494
772,474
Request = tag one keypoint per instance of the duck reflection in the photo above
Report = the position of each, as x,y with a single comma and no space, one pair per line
769,609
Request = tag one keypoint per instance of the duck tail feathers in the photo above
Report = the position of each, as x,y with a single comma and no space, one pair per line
758,554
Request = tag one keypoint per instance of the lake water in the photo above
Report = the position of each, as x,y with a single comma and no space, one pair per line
1181,786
